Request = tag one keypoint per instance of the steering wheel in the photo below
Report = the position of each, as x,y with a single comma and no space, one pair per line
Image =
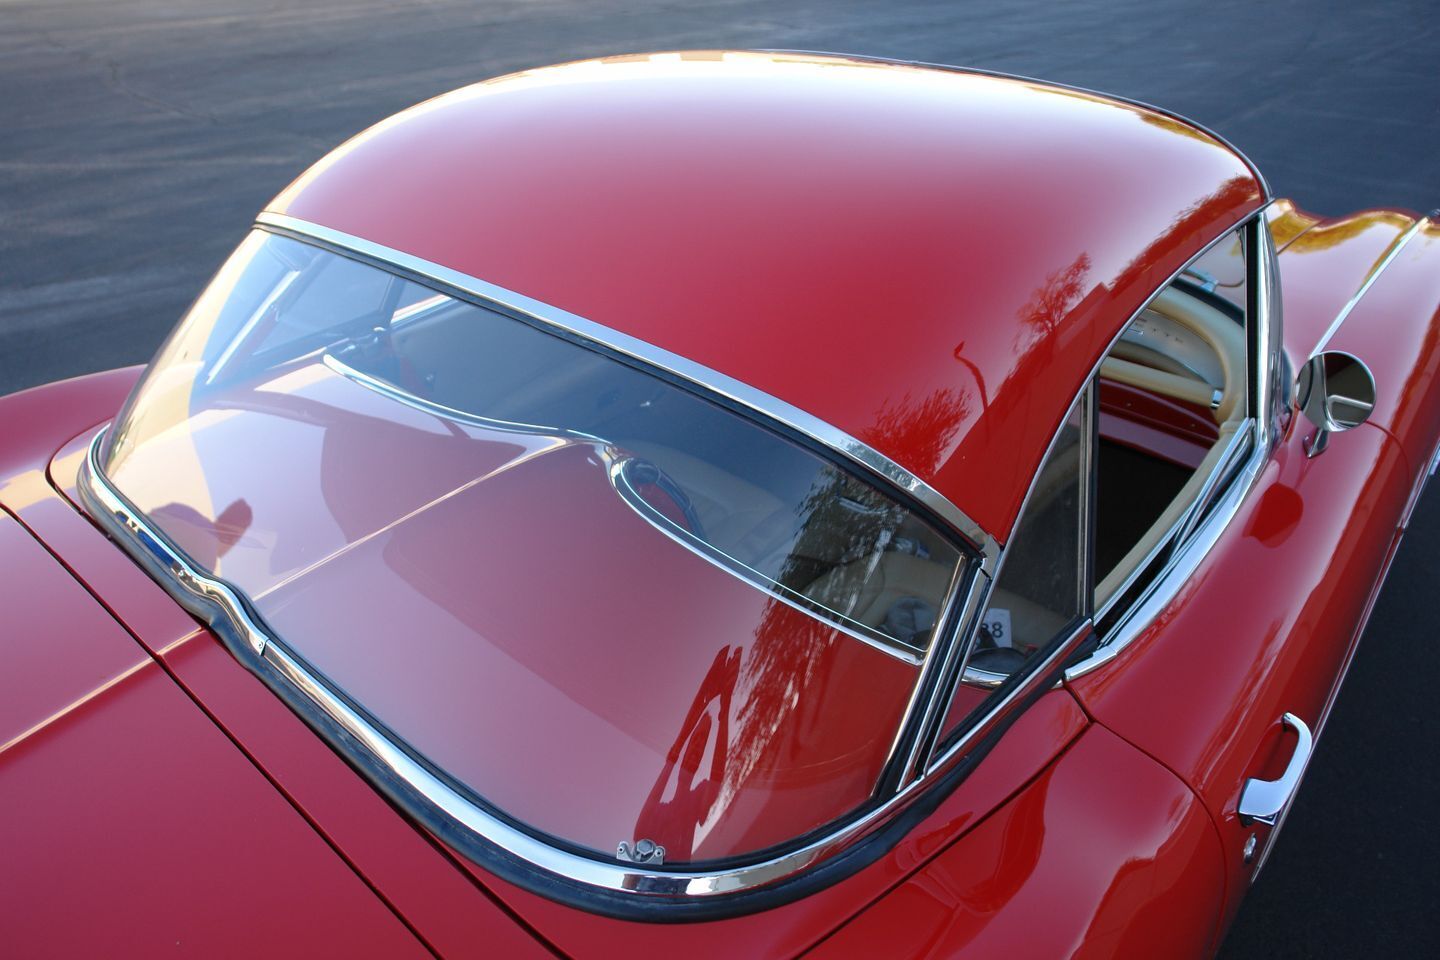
1185,316
641,471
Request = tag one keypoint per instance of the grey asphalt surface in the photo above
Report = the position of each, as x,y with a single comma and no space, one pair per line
139,137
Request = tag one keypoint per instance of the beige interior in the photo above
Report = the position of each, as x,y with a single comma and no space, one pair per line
1125,364
1228,341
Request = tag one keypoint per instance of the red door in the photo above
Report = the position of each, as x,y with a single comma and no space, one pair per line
1263,628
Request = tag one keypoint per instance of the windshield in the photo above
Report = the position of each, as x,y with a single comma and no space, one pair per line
543,569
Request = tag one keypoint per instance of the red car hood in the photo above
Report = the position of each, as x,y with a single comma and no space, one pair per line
124,806
135,821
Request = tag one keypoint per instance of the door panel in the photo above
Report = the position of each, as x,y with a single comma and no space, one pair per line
1106,854
1264,627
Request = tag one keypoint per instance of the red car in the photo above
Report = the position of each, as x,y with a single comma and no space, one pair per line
713,504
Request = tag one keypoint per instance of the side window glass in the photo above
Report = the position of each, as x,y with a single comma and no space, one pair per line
1173,395
1043,585
1039,592
1145,452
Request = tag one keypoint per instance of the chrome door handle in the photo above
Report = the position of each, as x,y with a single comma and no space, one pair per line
1263,800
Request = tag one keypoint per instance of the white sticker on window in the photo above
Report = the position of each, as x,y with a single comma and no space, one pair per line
997,624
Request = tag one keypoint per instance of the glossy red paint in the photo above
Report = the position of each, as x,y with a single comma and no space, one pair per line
1202,689
86,682
1038,736
1324,262
444,896
957,249
124,807
143,742
416,875
1106,854
1395,324
81,650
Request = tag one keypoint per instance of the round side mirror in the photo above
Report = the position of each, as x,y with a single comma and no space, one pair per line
1336,392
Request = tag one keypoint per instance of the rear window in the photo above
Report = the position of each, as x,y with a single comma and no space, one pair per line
535,563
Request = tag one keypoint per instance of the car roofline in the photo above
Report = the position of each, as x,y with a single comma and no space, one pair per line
1052,84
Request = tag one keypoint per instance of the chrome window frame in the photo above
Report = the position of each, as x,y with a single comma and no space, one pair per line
615,887
1196,531
1089,401
437,802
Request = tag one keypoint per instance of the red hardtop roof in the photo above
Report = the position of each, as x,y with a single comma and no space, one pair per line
928,259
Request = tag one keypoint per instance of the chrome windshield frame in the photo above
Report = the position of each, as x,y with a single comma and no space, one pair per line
452,811
643,892
612,887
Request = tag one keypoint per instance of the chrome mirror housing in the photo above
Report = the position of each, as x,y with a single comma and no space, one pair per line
1336,392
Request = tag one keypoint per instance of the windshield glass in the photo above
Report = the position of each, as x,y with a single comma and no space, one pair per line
540,567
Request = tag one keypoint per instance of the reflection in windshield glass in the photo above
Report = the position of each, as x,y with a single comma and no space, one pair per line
468,524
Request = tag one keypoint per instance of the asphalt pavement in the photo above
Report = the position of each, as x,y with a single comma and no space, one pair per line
139,137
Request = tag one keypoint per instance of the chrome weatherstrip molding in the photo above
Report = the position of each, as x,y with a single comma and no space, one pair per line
933,692
220,606
158,552
1041,678
1369,282
711,381
1265,302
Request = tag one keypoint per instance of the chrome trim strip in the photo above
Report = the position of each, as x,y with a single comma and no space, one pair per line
1089,476
989,679
709,380
770,587
1176,572
220,606
535,852
1334,693
1040,675
1000,75
1268,320
1418,489
1369,282
1087,403
1261,261
928,705
147,539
